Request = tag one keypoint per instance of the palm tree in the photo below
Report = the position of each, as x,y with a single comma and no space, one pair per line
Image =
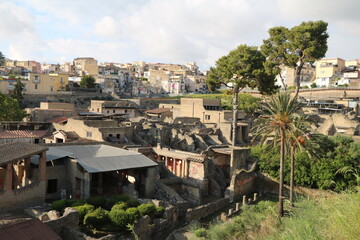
300,141
281,124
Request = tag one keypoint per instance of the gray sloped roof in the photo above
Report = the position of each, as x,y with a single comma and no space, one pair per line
102,158
53,153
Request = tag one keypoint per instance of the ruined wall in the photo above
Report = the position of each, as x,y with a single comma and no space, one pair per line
205,210
33,193
242,182
239,158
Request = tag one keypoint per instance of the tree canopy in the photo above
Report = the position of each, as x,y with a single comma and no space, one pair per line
10,109
87,81
294,47
242,67
18,89
2,59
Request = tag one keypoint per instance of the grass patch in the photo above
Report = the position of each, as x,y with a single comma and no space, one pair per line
336,217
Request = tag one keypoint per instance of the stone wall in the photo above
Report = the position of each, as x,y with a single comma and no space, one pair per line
205,210
242,182
239,159
28,195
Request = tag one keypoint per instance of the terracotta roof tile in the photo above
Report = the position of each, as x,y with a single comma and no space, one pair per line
18,150
58,119
23,134
27,230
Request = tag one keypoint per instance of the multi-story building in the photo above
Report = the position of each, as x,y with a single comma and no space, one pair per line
86,66
175,85
125,108
7,85
287,76
50,110
328,71
66,67
31,66
50,68
207,110
46,83
196,83
352,73
210,113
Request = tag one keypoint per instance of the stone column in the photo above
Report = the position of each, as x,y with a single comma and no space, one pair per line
86,190
100,183
246,134
8,177
174,166
149,181
240,134
42,167
26,179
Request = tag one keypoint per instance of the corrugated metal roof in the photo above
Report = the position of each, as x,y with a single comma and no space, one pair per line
102,158
52,154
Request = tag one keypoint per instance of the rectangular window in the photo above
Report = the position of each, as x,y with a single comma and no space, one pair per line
52,186
88,134
113,111
207,117
36,86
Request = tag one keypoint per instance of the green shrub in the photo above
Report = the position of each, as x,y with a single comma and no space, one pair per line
147,209
122,198
110,202
159,212
83,210
97,218
132,203
75,202
313,85
59,205
305,87
119,206
96,201
133,212
120,219
201,232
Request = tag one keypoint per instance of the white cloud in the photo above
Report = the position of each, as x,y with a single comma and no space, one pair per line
14,20
106,27
109,51
156,30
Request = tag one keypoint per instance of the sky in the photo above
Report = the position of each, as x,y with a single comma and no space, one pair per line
167,31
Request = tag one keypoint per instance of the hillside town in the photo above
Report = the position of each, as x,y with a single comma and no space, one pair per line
245,139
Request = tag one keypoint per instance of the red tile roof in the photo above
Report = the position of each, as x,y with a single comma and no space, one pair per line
58,119
28,230
23,134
